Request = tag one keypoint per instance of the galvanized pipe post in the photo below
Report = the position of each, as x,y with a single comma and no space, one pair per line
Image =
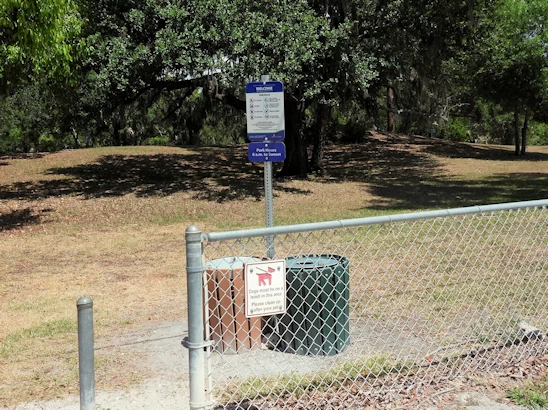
269,197
195,341
86,355
269,207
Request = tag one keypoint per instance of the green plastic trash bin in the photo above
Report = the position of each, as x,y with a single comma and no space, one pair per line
317,318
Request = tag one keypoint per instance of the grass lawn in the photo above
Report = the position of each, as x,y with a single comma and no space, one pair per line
109,223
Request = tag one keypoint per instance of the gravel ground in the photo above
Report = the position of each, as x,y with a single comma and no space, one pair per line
158,354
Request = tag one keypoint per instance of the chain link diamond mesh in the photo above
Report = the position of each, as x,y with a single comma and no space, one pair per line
394,307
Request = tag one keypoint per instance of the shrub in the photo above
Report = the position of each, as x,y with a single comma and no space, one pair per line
48,143
9,140
538,134
351,123
163,141
222,131
456,129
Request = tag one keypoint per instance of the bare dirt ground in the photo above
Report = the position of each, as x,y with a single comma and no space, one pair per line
155,353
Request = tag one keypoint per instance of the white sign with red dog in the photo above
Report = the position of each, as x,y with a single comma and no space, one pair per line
265,288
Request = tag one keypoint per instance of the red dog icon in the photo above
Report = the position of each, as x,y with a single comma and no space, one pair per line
266,276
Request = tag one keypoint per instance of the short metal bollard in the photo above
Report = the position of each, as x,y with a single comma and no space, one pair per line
86,355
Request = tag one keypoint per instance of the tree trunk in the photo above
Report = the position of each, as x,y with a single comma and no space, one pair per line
196,119
119,137
390,122
116,140
524,132
323,114
193,132
296,160
516,131
75,138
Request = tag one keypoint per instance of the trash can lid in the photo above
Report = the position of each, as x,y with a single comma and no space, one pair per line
234,262
310,262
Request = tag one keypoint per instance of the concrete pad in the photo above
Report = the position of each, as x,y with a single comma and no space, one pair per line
480,401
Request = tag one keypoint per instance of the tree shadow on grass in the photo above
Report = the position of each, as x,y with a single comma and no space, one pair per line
402,174
35,155
380,162
439,192
476,151
211,174
451,149
399,170
19,218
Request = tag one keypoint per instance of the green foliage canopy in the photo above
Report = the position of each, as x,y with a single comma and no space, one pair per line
512,62
35,37
138,63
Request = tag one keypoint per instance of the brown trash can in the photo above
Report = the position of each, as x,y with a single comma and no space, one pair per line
229,328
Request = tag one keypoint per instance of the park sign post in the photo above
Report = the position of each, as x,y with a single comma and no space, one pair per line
264,103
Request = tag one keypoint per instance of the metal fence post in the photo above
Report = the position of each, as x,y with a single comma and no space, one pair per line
195,341
86,355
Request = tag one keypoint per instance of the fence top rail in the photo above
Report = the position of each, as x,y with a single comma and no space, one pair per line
375,220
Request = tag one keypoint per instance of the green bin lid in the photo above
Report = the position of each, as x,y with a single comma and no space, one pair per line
310,262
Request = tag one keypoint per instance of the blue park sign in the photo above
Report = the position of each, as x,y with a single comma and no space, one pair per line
272,151
265,111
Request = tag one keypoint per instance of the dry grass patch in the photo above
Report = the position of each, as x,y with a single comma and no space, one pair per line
109,223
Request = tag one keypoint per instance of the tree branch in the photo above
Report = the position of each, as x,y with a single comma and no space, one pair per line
224,95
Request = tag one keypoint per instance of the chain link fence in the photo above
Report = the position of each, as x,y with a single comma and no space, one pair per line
374,306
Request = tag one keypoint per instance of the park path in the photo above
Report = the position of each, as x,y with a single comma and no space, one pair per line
156,351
